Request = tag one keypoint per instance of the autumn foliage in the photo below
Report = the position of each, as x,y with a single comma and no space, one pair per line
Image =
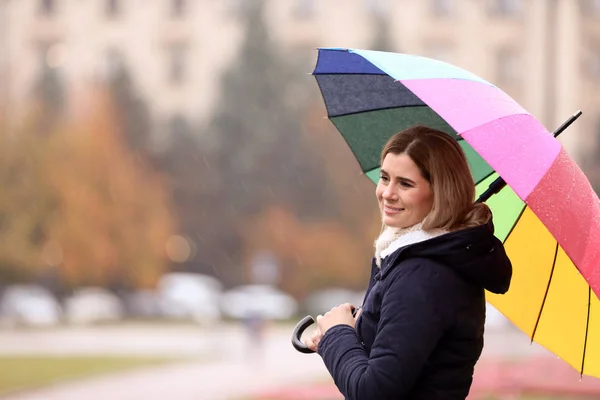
76,200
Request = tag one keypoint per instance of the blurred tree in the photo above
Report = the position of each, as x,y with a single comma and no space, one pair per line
311,254
114,218
131,112
192,182
49,98
28,201
255,147
335,251
77,201
353,192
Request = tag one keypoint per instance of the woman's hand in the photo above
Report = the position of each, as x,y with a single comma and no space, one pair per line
313,341
340,315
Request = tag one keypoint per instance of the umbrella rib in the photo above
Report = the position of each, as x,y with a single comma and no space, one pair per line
545,294
485,177
378,109
587,328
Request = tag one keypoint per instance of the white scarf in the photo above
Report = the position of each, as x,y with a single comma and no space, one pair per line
391,239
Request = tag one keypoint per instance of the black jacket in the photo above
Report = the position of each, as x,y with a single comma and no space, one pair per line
420,332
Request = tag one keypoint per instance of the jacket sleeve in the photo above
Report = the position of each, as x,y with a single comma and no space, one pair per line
409,328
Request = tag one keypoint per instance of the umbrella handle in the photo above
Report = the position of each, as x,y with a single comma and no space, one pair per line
301,327
297,334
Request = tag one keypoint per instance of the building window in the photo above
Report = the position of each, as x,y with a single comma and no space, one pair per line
443,8
508,64
113,8
505,8
176,67
178,8
304,9
47,7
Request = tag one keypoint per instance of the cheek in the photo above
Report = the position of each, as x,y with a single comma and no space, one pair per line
378,192
422,202
426,202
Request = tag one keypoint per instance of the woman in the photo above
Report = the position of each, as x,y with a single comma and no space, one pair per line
420,330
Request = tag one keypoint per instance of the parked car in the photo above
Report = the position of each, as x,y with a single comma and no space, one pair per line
264,301
92,305
29,305
183,295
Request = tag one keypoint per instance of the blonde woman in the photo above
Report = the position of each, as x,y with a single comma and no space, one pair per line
419,333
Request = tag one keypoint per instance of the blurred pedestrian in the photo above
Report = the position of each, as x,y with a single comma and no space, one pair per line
255,325
420,331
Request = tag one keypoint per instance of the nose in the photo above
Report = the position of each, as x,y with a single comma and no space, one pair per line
389,193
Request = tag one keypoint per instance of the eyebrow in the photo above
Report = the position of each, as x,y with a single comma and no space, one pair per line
401,178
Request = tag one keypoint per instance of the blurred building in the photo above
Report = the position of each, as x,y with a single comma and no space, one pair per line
545,53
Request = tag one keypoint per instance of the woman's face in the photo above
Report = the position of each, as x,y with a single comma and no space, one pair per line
405,197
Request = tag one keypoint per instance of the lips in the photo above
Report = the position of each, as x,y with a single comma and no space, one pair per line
392,209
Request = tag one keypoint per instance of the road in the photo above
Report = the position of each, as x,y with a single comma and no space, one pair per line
222,365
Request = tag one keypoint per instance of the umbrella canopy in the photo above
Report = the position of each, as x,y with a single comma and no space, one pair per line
548,216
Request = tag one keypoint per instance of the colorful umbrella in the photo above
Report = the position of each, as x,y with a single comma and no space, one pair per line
548,216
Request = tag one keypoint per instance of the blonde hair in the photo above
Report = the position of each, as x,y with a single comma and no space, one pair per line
443,164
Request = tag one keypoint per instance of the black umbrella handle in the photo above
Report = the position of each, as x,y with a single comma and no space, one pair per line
298,331
301,327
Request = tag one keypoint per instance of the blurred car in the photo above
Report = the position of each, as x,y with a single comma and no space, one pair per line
29,305
321,301
183,295
264,301
93,304
143,304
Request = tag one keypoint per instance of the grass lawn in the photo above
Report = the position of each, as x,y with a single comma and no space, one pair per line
27,372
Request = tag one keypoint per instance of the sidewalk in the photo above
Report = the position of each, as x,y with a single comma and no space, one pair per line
237,374
226,367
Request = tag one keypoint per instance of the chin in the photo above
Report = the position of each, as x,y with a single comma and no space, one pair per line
392,223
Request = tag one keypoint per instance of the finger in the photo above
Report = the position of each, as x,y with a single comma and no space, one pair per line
320,322
310,344
358,312
316,337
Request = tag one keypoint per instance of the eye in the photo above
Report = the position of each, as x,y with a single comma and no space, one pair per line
384,178
406,184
